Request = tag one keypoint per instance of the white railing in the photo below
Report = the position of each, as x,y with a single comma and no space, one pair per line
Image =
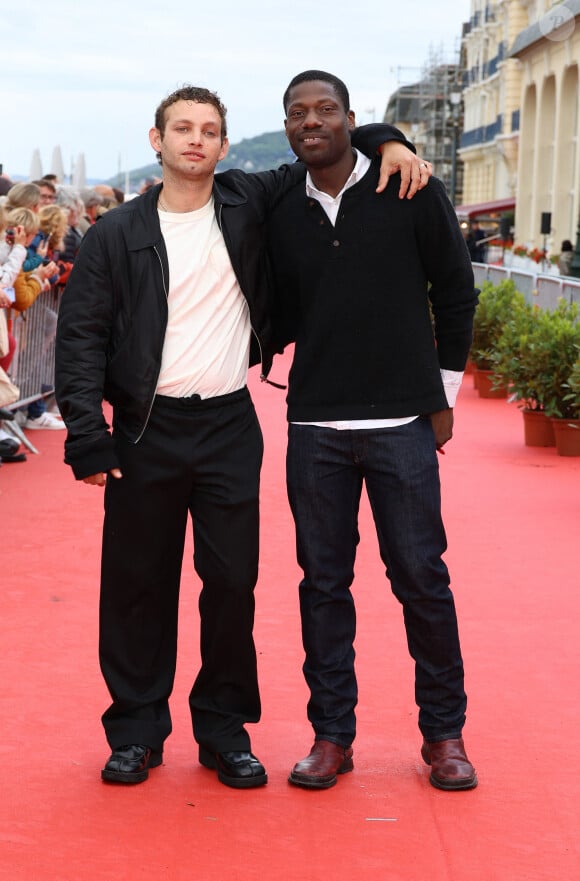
542,289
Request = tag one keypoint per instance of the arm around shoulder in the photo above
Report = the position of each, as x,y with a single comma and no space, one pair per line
267,187
369,138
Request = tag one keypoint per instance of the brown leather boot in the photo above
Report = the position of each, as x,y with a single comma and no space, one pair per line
450,767
319,769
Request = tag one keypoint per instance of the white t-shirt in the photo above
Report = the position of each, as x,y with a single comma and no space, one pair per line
207,342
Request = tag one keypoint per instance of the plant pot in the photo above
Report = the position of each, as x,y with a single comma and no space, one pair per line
538,429
484,380
567,434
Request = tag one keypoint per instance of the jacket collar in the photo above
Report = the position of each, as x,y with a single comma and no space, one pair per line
146,231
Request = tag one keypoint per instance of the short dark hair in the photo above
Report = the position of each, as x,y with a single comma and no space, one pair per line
566,245
191,93
308,76
45,182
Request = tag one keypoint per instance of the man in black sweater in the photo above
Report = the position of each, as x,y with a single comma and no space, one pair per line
378,295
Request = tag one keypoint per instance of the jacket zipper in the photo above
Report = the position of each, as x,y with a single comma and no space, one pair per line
154,393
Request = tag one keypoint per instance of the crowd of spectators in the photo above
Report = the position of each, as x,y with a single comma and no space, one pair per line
42,223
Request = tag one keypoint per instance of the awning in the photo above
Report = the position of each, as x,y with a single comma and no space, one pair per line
485,209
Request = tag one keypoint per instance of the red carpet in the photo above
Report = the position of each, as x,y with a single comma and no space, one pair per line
512,516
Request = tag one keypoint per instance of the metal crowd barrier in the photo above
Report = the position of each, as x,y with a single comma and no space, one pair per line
542,290
32,367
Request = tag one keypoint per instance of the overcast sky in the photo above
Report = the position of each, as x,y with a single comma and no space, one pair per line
88,76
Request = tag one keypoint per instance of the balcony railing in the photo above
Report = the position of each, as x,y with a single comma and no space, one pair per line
483,134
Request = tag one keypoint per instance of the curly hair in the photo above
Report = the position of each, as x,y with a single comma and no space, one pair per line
53,222
195,94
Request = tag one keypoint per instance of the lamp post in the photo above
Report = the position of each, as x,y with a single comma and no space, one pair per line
455,99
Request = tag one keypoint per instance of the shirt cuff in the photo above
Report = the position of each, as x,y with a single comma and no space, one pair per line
451,383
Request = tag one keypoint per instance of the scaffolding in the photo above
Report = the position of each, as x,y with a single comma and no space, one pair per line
431,110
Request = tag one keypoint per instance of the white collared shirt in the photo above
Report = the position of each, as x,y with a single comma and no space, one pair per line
331,204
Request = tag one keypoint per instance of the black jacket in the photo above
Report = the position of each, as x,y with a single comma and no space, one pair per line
113,314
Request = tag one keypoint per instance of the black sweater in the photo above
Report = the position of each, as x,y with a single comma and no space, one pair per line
355,298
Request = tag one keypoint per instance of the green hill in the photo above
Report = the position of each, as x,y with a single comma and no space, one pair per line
265,151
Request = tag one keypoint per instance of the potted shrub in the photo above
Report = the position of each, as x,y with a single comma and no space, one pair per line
535,356
556,350
518,257
537,353
516,363
495,306
538,255
567,428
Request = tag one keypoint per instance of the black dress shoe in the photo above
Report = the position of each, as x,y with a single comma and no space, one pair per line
8,446
237,768
6,414
130,764
13,457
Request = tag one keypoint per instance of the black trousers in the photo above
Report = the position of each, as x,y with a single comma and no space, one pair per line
201,457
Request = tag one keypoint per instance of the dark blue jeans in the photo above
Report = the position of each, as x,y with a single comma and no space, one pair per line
325,473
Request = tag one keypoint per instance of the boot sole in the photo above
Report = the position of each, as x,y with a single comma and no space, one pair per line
320,782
